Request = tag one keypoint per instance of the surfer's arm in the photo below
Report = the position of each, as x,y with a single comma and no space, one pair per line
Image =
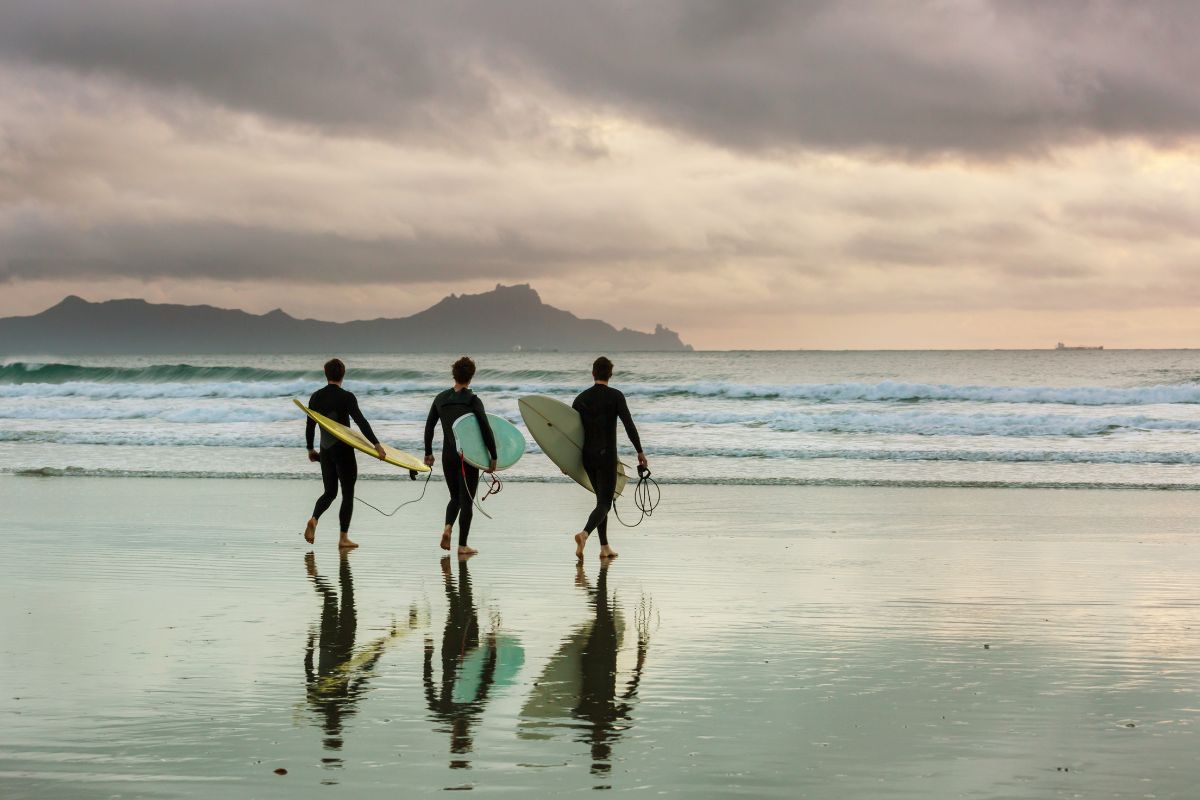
361,421
310,430
430,423
485,427
627,421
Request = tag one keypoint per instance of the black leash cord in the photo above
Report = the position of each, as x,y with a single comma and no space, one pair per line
646,489
424,486
493,488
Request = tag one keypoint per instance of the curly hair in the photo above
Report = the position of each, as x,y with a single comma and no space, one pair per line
463,370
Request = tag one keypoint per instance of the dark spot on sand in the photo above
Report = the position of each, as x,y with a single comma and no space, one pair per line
1130,725
280,771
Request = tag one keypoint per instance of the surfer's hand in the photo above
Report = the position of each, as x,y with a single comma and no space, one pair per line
429,461
313,457
380,451
642,462
491,467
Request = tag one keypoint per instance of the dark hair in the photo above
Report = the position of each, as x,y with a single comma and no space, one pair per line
463,370
602,369
335,370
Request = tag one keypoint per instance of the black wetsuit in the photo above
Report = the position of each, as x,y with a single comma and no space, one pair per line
462,479
600,407
337,459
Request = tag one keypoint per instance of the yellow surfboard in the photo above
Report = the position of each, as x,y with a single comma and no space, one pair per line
359,442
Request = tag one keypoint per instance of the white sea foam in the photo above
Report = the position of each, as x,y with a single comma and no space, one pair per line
895,391
930,423
886,391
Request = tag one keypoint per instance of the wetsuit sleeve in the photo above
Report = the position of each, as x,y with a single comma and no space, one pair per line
310,428
361,421
430,424
627,421
485,427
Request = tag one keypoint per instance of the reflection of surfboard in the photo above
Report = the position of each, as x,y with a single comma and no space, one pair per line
366,656
509,658
356,440
558,430
557,692
510,444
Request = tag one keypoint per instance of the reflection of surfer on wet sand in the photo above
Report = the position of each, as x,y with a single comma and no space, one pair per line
459,701
581,682
335,675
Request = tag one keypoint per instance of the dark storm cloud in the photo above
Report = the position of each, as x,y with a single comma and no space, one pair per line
975,79
45,249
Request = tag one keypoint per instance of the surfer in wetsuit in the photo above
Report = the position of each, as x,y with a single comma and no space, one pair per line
462,479
600,407
337,461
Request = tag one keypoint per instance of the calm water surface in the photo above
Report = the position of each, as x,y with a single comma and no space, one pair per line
176,638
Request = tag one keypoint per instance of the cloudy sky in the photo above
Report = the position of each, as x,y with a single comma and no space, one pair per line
751,174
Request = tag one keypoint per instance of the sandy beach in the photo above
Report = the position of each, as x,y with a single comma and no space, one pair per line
171,638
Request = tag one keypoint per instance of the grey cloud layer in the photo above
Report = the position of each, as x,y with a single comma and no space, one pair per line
980,79
46,248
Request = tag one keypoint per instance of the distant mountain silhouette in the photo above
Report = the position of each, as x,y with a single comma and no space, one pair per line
507,318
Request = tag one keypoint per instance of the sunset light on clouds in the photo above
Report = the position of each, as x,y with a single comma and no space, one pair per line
754,175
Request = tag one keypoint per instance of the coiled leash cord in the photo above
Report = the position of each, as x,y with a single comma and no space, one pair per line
412,476
646,497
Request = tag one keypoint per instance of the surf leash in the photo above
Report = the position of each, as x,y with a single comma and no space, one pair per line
412,475
646,497
493,488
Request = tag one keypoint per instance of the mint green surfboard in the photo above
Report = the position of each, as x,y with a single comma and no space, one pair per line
510,444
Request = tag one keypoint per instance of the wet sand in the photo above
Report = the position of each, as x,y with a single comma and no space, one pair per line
172,638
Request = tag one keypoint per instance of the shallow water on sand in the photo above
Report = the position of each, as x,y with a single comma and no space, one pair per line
172,638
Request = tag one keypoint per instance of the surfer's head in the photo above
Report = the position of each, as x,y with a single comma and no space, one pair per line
463,370
335,370
602,368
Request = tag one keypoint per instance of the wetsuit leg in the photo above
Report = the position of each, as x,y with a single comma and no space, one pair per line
467,490
602,472
460,506
348,474
452,472
329,476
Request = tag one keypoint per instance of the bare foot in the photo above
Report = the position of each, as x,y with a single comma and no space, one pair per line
346,544
466,552
310,530
445,545
580,541
607,553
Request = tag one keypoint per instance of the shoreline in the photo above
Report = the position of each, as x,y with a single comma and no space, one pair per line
111,474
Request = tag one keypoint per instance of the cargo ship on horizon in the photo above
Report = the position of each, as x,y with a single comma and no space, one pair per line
1061,346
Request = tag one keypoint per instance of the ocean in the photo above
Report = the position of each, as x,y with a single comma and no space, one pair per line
1085,419
872,575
